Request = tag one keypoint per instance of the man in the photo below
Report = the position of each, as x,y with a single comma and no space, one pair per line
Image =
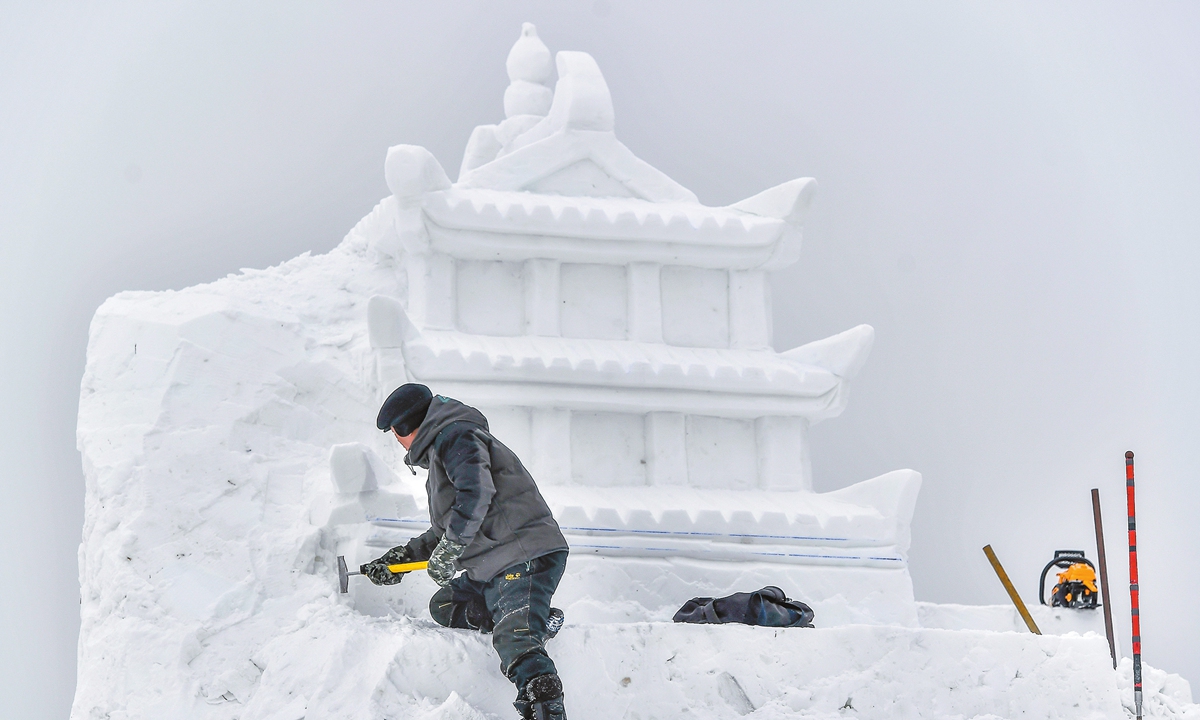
490,521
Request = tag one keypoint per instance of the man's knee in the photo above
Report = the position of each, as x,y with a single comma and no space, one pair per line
441,607
460,610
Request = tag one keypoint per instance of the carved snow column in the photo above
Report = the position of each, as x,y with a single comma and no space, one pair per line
432,291
550,437
542,297
549,428
645,302
783,454
784,462
749,310
411,172
666,449
388,328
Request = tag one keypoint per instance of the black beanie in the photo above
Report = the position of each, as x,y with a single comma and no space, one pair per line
404,409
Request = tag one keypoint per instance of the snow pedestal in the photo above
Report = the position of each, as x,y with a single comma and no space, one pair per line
617,335
401,668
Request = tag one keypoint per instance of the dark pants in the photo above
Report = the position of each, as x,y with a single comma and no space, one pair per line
514,606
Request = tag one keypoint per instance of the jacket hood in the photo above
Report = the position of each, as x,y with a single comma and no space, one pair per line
442,412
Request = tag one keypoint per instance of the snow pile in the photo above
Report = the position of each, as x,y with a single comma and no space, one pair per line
1164,694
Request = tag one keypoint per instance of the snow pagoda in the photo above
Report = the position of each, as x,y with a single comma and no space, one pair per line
617,334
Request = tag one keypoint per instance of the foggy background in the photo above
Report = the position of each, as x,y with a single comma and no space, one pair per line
1008,193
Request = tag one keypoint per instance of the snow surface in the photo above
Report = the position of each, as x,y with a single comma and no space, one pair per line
207,419
230,455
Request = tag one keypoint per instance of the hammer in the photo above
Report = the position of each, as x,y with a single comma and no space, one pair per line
344,574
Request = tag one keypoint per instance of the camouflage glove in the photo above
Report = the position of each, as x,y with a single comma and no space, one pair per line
441,562
377,570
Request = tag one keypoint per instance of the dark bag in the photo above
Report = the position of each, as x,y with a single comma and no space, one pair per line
769,607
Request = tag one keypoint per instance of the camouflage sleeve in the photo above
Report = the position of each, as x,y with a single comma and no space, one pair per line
421,547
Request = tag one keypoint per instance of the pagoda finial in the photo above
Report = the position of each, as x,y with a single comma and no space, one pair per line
529,69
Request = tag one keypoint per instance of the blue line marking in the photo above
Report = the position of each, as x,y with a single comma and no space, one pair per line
684,534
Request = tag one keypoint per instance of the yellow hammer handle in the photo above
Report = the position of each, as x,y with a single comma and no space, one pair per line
408,567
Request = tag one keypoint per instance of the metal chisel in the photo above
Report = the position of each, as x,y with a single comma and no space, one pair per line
344,573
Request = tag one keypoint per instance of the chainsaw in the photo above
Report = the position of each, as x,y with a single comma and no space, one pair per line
1076,586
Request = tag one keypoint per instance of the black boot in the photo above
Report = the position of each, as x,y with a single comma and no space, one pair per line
554,622
523,710
543,699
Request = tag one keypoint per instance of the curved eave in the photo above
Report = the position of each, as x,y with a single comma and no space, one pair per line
452,355
493,225
622,376
591,398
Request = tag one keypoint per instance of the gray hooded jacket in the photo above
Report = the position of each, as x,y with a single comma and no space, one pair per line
480,494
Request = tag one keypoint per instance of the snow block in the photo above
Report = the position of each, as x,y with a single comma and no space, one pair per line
412,171
664,670
352,469
581,97
387,323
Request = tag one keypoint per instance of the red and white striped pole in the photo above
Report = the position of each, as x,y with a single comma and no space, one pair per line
1133,588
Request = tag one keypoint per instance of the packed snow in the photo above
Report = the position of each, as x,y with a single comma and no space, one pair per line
230,456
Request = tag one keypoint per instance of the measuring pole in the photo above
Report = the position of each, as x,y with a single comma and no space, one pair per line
1133,588
1108,626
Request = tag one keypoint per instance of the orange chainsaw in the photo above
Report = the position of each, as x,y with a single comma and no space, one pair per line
1076,586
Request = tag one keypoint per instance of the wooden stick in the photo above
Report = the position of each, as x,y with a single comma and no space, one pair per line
1012,591
1108,623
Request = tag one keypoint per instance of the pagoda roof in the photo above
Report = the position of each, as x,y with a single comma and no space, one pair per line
451,355
624,375
506,225
562,186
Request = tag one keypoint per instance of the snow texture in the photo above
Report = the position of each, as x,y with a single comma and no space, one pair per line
617,335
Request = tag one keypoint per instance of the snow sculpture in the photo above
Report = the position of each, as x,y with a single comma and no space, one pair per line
617,333
618,336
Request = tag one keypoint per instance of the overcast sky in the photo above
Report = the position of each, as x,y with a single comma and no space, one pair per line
1009,193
